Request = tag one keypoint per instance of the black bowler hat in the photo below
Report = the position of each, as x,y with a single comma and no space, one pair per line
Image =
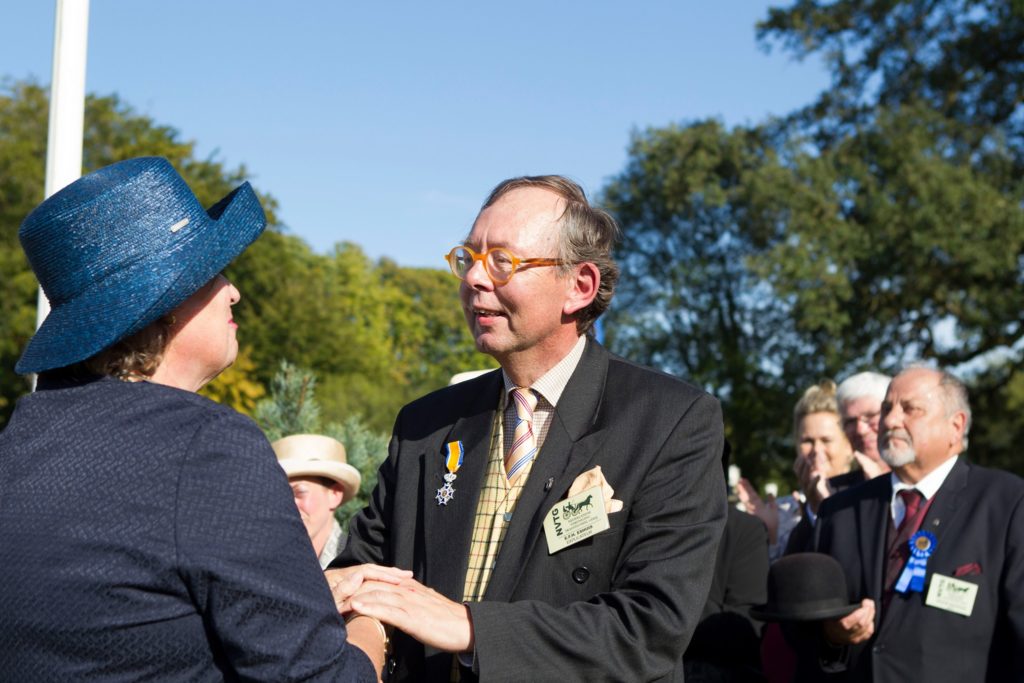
805,587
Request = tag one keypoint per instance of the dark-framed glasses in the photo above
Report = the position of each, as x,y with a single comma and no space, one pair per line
867,419
500,264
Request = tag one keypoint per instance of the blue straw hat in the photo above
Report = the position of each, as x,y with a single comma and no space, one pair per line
122,246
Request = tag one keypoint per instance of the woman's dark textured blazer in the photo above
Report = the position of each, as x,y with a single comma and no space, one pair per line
147,533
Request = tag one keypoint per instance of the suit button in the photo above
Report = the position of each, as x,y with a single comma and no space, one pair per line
580,574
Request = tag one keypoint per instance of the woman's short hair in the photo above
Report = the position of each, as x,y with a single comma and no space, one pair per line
818,398
137,356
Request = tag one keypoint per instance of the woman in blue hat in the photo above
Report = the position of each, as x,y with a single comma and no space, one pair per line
145,531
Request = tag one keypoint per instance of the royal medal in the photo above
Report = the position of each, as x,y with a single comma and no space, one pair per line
922,545
452,462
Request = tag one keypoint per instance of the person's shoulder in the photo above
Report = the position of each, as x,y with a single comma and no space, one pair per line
993,481
841,482
854,496
174,400
188,415
456,399
624,373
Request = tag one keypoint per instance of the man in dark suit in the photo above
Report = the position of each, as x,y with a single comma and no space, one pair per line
493,597
962,616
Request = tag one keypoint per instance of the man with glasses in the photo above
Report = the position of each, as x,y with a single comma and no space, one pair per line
481,474
860,399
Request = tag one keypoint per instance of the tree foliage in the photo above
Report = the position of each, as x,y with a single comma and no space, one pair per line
960,58
688,301
882,223
292,408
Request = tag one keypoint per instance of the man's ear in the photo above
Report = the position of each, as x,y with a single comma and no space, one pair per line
958,421
336,496
581,287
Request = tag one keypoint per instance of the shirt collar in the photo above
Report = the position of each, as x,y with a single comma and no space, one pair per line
551,385
929,484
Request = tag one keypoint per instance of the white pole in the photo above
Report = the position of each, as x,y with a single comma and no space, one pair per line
67,105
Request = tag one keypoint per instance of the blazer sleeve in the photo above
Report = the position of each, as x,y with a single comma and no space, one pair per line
640,628
250,566
1012,594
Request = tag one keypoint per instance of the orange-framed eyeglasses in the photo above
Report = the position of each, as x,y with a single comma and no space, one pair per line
500,264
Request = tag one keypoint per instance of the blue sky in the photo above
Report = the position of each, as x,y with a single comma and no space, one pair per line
386,124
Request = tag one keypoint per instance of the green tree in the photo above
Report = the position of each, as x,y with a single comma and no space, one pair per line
959,58
292,408
688,301
366,450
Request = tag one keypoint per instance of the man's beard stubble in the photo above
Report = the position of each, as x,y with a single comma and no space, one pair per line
896,457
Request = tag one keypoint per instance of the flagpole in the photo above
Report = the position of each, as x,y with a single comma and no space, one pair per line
67,105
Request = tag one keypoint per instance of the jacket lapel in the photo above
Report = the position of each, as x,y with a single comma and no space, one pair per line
942,514
570,445
448,529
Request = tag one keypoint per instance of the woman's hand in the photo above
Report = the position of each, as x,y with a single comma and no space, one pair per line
766,510
813,485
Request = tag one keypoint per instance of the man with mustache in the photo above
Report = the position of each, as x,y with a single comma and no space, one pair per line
475,468
934,552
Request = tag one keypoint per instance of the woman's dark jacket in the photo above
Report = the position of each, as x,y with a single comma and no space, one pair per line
148,533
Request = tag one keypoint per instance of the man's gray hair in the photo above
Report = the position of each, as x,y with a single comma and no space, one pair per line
873,384
954,395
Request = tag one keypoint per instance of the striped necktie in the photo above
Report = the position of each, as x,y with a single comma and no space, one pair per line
524,444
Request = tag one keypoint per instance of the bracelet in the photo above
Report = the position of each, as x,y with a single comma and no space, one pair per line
380,627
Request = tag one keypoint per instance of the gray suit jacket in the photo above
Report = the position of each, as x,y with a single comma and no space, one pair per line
978,519
621,605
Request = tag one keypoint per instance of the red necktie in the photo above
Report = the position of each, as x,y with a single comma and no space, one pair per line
898,539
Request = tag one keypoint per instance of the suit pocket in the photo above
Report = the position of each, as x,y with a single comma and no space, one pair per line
972,569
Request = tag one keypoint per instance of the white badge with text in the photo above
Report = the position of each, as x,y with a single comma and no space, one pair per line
952,595
574,519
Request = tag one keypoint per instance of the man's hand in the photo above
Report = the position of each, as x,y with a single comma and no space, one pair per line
855,627
766,510
872,468
814,486
345,582
421,612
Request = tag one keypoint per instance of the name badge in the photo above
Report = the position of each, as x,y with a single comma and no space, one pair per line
952,595
575,519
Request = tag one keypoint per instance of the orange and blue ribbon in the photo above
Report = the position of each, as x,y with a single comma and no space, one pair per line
454,453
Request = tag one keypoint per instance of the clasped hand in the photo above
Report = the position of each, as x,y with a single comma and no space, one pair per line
395,598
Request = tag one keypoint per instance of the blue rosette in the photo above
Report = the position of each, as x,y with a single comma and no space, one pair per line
922,545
